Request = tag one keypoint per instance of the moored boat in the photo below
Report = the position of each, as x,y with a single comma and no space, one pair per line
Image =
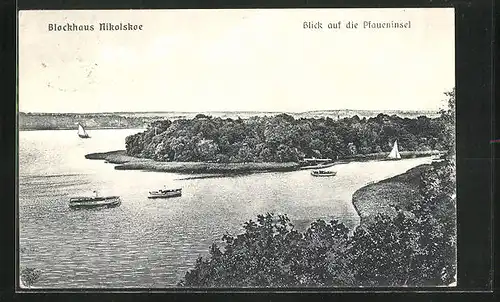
94,201
165,193
320,166
319,173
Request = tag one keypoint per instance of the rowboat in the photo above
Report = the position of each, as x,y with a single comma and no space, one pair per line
319,173
94,201
165,193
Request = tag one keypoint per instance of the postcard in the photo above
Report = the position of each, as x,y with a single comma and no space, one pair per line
236,148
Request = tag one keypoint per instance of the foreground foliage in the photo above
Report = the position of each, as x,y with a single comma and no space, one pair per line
30,276
416,247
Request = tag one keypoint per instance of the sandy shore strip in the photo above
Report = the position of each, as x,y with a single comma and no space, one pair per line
125,162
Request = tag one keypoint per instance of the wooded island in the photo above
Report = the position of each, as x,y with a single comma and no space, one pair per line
282,138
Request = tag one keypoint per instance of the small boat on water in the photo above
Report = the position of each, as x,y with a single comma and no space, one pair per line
319,173
394,155
165,193
81,132
94,201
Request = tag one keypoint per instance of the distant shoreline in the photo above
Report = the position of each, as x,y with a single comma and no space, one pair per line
216,112
30,121
126,162
73,128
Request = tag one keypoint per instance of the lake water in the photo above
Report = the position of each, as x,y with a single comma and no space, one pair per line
152,243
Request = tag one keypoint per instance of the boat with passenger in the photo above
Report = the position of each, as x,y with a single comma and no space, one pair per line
320,173
95,201
165,193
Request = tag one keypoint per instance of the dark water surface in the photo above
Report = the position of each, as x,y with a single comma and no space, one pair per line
152,243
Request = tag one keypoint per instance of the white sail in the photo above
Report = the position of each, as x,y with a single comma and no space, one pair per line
394,152
82,131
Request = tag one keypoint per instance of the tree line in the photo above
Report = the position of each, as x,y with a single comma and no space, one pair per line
282,138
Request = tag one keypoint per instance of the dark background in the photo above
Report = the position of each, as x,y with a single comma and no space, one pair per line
475,154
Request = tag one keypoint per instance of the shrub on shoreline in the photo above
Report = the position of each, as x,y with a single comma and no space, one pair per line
30,276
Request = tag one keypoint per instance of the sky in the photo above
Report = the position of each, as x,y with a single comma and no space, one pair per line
236,60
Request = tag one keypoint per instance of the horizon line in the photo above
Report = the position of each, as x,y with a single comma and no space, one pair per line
241,111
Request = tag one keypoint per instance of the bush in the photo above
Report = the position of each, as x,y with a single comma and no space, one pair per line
30,276
264,256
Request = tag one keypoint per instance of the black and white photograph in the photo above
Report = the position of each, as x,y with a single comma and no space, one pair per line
236,148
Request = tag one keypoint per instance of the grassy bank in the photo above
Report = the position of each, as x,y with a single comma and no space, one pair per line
126,162
114,157
381,197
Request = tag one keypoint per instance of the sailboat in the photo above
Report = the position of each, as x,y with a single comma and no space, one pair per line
394,155
81,132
